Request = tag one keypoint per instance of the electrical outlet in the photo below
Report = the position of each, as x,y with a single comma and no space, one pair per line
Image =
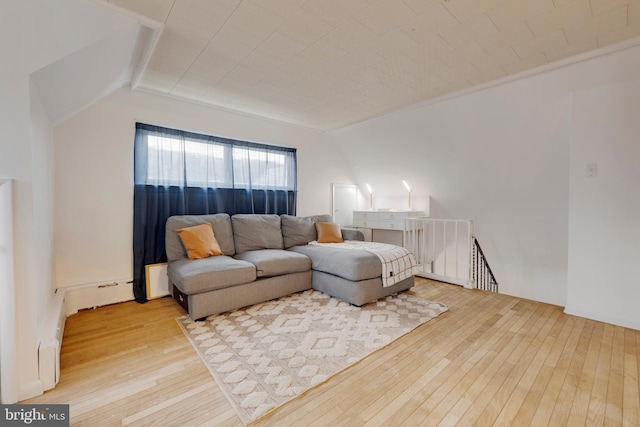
592,170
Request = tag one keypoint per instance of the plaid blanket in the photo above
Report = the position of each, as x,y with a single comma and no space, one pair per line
397,262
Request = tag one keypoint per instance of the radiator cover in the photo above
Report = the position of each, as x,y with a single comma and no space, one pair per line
51,342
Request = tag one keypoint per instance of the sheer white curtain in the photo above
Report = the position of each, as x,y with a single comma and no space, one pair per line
182,160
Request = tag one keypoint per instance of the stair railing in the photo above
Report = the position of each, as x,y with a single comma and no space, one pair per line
481,272
447,250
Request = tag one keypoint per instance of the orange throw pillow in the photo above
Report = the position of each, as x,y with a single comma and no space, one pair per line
199,241
329,232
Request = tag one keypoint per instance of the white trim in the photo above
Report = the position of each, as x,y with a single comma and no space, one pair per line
232,110
467,284
146,56
143,20
602,317
9,382
32,389
92,295
100,96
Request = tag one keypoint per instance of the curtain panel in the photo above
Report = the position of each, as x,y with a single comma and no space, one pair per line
185,173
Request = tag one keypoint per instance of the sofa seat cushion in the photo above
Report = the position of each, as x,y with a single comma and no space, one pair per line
345,263
275,262
201,275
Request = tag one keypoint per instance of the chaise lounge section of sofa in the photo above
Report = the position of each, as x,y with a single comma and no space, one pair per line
264,257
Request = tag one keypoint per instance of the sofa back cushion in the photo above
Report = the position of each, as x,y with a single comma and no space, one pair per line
300,230
222,230
252,232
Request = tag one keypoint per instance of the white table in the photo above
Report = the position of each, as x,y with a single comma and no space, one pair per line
384,226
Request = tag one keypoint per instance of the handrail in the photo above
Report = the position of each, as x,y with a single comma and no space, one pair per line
447,250
482,274
442,248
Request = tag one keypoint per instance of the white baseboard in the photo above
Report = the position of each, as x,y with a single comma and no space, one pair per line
30,390
97,294
600,317
454,281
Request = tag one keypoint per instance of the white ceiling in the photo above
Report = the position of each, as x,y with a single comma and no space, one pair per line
324,64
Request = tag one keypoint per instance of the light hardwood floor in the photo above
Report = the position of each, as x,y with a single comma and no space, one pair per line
490,360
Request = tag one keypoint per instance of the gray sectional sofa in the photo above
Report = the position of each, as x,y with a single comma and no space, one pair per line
266,257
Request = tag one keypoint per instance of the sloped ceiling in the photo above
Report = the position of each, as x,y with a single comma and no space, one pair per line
87,50
324,64
77,80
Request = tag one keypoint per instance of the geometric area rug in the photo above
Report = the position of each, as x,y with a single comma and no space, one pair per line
265,355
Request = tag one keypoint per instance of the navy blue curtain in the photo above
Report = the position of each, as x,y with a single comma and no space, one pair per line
156,201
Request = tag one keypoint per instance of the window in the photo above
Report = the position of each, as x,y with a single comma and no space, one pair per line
184,173
174,158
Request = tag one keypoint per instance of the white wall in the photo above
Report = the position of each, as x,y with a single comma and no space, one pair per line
604,211
94,175
501,157
8,334
16,163
498,157
34,34
42,192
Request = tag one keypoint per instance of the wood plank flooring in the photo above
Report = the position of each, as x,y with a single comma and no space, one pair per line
491,360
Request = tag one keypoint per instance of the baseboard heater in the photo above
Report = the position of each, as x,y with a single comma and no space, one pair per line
51,342
68,301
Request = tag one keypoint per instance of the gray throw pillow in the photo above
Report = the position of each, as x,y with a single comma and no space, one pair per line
252,232
300,230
